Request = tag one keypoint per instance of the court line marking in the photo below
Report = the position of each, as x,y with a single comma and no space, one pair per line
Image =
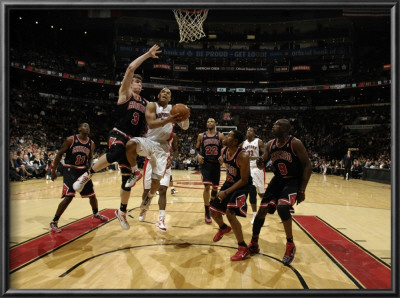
186,244
33,249
31,246
373,275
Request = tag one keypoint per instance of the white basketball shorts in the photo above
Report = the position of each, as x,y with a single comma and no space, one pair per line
258,179
147,169
158,155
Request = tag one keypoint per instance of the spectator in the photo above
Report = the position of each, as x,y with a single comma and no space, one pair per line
15,172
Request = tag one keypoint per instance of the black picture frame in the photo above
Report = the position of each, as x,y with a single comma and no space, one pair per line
6,6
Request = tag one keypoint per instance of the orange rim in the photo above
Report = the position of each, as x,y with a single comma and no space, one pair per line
192,11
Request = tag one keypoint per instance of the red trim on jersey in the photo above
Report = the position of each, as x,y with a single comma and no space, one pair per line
146,161
291,146
211,136
84,143
212,208
123,166
290,201
289,139
166,168
138,100
75,167
265,205
66,193
88,195
117,142
122,133
233,154
240,202
238,156
270,146
172,133
73,141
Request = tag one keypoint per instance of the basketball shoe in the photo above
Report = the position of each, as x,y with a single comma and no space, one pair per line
221,233
207,218
242,253
253,247
81,181
173,191
101,217
160,224
54,227
144,207
122,219
289,254
136,176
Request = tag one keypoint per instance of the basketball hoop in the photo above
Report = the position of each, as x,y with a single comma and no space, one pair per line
190,23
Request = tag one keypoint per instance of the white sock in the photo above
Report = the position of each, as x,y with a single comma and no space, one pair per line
161,213
254,214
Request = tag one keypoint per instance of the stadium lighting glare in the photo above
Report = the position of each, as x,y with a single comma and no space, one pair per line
212,36
251,37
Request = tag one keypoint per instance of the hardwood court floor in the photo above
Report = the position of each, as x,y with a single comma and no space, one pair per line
356,215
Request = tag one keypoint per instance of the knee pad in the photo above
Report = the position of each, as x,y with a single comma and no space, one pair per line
253,195
213,193
116,152
284,212
124,179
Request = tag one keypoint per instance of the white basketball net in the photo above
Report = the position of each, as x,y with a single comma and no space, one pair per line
190,23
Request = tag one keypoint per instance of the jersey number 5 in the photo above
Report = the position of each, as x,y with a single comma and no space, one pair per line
282,168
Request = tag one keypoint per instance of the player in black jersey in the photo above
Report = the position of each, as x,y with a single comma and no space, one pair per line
231,199
79,154
292,170
208,147
131,123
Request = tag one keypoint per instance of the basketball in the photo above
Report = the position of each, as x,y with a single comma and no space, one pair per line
181,109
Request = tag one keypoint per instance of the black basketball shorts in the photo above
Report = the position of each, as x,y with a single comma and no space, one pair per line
211,173
280,190
70,175
235,200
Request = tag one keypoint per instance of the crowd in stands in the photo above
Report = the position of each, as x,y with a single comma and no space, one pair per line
44,111
39,124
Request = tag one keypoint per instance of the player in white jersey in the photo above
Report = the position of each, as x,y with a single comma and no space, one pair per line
255,148
156,143
164,183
